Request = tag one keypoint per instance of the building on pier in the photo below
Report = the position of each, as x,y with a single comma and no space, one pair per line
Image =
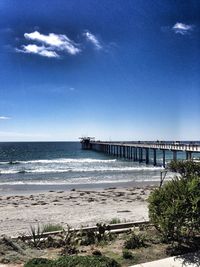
86,142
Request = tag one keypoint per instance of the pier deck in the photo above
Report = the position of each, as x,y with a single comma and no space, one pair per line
163,146
140,151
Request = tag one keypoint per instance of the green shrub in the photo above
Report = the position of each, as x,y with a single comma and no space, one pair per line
174,209
86,261
40,262
88,237
51,228
127,254
97,253
74,261
71,242
135,241
115,221
36,235
185,168
99,236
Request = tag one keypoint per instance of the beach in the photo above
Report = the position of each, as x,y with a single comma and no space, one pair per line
59,183
76,208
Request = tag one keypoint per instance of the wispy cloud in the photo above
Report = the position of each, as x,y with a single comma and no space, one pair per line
4,118
55,45
51,45
181,28
35,49
92,39
55,41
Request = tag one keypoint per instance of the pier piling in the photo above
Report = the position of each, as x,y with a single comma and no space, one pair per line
141,151
154,157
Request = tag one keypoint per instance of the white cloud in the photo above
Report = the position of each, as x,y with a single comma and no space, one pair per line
54,41
4,118
51,45
54,45
40,50
182,28
93,39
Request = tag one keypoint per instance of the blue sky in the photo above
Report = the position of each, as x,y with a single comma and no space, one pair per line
114,69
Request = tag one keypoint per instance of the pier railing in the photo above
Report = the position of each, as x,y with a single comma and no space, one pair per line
165,146
140,151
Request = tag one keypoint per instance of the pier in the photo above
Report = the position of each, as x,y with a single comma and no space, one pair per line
140,151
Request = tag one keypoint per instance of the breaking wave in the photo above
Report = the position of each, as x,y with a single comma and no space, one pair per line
86,169
62,160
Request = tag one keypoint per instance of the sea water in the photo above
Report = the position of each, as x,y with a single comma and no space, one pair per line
65,163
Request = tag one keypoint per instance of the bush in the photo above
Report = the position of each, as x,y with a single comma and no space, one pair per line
185,168
100,235
127,254
97,253
88,237
86,261
174,208
71,242
115,221
40,262
51,228
74,261
36,235
135,241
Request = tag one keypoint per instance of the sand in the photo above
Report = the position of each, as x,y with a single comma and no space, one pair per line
75,208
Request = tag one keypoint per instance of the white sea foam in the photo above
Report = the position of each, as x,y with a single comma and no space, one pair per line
62,160
8,171
68,182
4,162
86,169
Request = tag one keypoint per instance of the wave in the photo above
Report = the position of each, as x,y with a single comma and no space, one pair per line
73,182
82,180
5,162
101,169
60,160
8,172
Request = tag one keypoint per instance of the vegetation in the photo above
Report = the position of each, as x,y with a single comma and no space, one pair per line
174,210
115,221
36,234
51,228
54,245
70,243
68,240
102,234
74,261
127,254
40,262
175,207
135,241
88,238
185,168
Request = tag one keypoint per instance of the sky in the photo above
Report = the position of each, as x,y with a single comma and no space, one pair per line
112,69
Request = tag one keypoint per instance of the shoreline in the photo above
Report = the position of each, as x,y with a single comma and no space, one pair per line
78,207
24,189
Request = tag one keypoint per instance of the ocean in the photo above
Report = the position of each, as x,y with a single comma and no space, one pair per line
29,165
